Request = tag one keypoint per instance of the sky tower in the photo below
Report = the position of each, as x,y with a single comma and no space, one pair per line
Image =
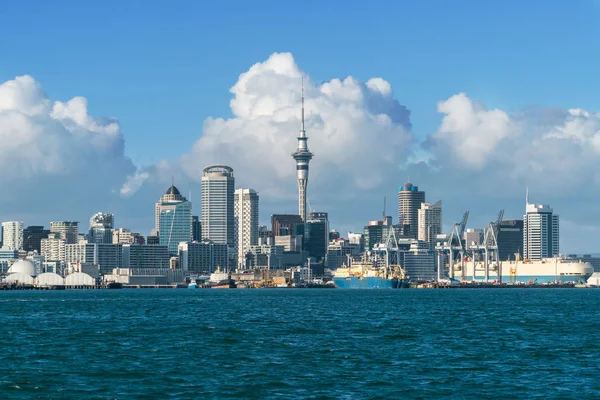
302,157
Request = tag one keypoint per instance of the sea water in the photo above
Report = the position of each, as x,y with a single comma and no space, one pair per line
300,343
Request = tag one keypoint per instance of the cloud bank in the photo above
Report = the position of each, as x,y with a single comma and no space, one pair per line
479,159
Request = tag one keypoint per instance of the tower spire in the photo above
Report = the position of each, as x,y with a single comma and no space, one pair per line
527,196
302,131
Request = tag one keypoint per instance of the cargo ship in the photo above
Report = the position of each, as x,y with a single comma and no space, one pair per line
221,280
546,270
366,275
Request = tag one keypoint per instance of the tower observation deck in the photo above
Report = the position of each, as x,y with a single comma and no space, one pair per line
302,156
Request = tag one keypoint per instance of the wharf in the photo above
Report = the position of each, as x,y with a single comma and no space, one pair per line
500,286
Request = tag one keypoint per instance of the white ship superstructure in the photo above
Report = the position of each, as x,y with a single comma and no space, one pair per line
546,270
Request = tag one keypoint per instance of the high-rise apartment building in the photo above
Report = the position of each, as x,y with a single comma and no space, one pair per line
430,222
540,232
53,247
32,238
174,219
12,235
66,230
246,222
218,223
409,202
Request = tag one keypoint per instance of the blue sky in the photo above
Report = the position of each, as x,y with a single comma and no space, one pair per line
163,68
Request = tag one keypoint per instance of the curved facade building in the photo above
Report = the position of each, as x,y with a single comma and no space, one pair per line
409,202
174,219
218,188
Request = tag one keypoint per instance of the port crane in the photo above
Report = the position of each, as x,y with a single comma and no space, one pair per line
489,248
453,243
389,253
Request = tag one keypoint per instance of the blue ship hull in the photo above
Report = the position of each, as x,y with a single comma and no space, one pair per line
365,283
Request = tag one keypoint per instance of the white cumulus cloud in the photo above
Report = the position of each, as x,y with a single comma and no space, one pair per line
56,160
359,134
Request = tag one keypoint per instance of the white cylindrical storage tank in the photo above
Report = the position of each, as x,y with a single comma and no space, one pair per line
49,279
19,278
22,267
79,279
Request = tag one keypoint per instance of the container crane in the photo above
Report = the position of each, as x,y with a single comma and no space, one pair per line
453,243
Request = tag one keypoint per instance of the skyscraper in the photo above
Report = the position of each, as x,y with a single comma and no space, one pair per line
218,205
66,230
510,239
12,235
316,235
246,221
174,219
430,222
409,202
302,157
101,228
540,231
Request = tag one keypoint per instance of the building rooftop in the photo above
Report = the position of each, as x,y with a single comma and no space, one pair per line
173,190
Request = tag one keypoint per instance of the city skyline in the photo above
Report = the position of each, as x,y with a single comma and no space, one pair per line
471,131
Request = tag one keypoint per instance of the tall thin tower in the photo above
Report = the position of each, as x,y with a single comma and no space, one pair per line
302,157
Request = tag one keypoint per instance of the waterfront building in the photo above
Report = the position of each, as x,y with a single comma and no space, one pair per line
264,256
302,156
409,202
66,230
79,253
510,239
32,238
540,232
316,235
419,261
108,256
145,256
218,223
203,257
174,219
196,229
430,222
245,222
104,256
53,247
101,228
12,235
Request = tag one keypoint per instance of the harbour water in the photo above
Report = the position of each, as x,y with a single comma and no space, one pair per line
326,344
